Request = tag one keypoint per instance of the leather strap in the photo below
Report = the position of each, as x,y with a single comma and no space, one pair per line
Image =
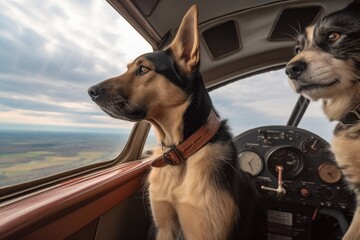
176,155
351,117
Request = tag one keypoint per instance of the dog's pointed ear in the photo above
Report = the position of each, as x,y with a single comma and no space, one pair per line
185,46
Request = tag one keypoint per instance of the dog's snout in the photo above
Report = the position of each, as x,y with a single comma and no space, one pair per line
295,69
95,92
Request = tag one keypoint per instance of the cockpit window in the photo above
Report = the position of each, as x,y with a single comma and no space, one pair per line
314,120
50,54
259,100
266,99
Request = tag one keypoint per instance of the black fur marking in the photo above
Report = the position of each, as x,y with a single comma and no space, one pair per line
356,81
199,107
200,102
165,66
346,22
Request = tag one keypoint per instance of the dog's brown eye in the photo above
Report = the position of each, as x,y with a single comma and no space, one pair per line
297,50
142,70
333,37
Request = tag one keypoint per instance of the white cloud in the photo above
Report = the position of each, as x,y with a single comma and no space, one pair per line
58,119
95,27
44,99
275,107
78,39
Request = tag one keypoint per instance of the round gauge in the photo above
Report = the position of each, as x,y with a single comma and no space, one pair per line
312,146
250,162
289,158
329,173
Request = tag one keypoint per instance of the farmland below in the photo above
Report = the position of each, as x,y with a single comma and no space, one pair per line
27,156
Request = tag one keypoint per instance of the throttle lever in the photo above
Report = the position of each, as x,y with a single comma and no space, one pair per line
280,190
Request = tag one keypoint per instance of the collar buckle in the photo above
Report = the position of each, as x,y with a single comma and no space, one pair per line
351,117
356,111
173,156
177,155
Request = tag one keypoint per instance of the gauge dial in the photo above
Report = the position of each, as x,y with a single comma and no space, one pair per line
289,158
312,146
329,173
250,162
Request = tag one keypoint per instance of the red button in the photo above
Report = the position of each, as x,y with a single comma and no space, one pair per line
304,192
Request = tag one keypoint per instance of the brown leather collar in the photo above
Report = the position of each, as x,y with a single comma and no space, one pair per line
176,155
351,117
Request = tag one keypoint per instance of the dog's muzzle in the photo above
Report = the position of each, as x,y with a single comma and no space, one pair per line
295,69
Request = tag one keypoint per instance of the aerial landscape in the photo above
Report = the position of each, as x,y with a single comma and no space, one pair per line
30,155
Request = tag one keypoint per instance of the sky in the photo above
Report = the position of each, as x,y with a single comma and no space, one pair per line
52,51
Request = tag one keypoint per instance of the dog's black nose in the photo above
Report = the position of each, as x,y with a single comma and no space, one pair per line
95,92
295,69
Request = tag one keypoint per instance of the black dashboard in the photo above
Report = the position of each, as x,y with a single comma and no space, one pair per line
311,185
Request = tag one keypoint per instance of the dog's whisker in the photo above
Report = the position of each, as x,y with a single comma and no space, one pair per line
127,104
295,30
131,106
290,35
114,108
299,26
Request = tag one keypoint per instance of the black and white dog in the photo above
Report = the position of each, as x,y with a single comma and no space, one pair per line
326,66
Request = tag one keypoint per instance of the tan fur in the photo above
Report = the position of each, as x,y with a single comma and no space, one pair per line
334,108
338,100
347,154
310,36
185,199
185,196
186,190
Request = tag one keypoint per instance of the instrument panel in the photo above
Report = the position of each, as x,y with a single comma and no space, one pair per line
309,174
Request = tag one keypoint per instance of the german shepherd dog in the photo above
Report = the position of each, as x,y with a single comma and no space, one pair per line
327,66
201,196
